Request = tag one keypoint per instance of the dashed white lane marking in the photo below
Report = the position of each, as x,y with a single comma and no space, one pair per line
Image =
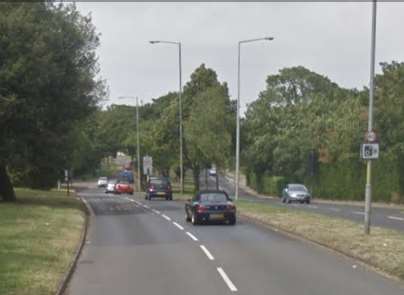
206,251
146,206
178,225
192,236
166,217
358,212
395,218
156,211
227,280
313,206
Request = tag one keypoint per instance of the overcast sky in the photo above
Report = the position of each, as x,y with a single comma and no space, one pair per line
329,38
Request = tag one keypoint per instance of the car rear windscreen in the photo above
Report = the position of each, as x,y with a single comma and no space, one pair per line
213,197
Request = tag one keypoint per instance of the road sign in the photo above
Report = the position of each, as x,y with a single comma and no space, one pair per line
147,165
66,175
370,151
370,136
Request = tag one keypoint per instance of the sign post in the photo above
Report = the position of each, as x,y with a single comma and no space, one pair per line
67,180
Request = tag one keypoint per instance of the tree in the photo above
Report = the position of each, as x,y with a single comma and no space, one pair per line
48,67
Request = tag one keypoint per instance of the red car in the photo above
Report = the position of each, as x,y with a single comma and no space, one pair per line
123,187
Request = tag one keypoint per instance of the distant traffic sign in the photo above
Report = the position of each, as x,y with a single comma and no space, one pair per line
370,151
370,136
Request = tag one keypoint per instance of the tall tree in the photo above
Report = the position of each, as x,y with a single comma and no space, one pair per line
48,69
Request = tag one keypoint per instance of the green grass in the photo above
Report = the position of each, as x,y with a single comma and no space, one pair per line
39,235
383,249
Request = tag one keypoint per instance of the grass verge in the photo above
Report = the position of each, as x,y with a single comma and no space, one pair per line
39,235
383,249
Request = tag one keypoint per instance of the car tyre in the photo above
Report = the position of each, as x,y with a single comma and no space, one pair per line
232,220
288,201
308,201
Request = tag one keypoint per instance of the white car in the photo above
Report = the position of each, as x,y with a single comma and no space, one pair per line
110,186
102,182
212,172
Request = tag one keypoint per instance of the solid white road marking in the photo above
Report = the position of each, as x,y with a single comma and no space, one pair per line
166,217
333,209
210,256
192,236
396,218
227,280
178,225
358,212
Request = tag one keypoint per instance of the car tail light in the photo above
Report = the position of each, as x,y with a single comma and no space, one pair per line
201,208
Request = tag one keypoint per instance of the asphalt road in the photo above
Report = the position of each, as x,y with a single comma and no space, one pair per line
144,247
384,217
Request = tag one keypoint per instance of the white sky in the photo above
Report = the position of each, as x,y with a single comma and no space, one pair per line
332,39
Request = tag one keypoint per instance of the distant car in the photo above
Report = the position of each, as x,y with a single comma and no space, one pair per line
102,181
159,187
123,187
296,193
111,186
212,172
210,205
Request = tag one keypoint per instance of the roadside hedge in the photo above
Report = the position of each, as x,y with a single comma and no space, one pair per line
343,180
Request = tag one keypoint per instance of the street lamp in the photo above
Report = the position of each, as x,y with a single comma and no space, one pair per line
137,140
238,112
180,107
368,188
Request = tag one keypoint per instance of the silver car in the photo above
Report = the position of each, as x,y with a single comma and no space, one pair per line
296,193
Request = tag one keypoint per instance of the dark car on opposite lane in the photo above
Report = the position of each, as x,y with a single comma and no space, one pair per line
159,187
210,205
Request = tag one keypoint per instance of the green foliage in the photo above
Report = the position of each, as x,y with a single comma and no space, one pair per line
48,67
301,111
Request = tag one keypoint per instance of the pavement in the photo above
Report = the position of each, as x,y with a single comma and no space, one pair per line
392,218
144,247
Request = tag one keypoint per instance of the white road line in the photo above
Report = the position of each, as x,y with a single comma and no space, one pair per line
192,236
146,206
210,256
333,209
358,212
227,280
313,206
156,211
396,218
178,225
166,217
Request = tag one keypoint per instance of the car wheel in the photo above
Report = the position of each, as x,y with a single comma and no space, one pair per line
194,219
232,220
288,201
308,201
283,200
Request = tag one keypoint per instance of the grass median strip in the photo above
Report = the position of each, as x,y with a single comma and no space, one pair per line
383,249
39,235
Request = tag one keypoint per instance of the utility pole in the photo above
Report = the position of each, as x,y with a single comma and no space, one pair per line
179,106
138,146
368,188
237,176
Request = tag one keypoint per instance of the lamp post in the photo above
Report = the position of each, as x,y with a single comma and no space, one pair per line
179,106
238,112
368,188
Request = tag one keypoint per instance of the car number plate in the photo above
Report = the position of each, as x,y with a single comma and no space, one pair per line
216,216
160,193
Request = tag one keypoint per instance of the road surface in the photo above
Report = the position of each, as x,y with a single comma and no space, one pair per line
384,217
144,247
